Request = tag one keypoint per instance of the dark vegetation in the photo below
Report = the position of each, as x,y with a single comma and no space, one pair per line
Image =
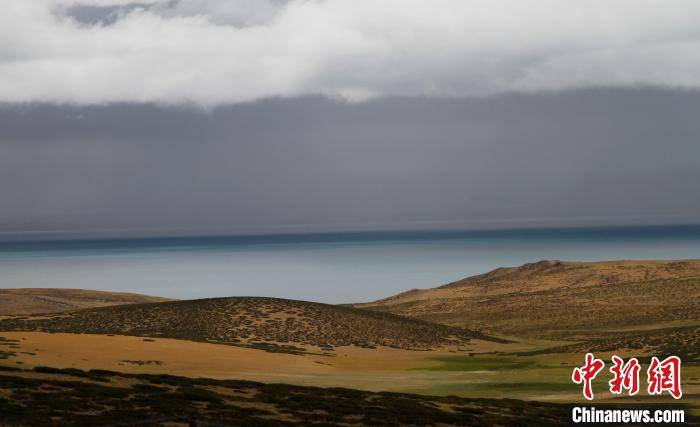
143,362
683,342
5,344
266,323
60,397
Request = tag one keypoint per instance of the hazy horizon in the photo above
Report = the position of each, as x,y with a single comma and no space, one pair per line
309,234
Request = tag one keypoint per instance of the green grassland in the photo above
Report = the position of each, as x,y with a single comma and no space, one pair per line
544,374
478,363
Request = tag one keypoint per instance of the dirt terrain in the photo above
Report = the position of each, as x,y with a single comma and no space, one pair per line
266,323
46,300
560,300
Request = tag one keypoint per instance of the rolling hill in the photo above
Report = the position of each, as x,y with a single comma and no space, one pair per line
556,299
46,300
268,323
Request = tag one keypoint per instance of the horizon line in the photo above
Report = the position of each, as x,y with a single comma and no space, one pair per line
407,233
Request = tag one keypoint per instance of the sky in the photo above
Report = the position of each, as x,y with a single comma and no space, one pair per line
188,117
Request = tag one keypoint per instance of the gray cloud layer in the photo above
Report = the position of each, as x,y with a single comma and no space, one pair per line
217,52
582,157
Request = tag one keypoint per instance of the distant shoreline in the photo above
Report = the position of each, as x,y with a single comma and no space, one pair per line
43,242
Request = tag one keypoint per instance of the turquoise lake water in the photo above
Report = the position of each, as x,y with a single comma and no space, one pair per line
335,268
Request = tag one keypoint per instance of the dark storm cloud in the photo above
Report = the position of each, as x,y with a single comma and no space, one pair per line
101,15
585,157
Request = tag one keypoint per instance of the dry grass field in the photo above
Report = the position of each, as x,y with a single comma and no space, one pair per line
530,370
551,274
378,369
561,300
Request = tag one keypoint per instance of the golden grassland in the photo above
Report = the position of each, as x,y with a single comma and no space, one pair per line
562,300
548,275
524,370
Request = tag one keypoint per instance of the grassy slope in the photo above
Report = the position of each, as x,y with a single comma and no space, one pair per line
630,308
561,300
45,300
267,323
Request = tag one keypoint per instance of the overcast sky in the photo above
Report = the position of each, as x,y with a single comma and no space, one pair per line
214,52
259,116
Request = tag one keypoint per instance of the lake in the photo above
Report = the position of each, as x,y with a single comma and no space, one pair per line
333,267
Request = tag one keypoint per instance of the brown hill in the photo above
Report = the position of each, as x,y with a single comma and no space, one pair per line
560,299
268,323
44,300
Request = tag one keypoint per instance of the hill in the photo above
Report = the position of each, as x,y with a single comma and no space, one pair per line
267,323
46,300
559,299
